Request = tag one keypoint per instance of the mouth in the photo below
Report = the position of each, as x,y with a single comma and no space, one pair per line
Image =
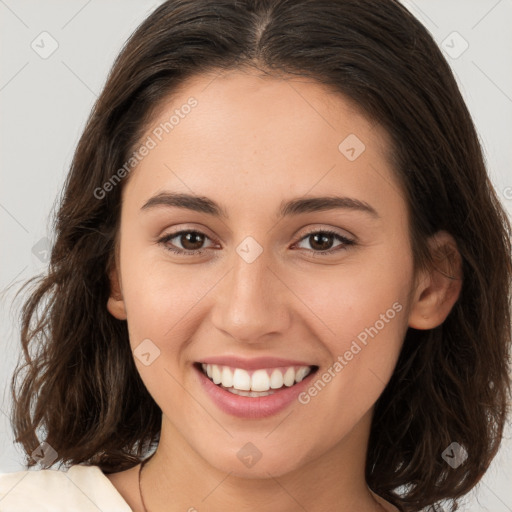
255,382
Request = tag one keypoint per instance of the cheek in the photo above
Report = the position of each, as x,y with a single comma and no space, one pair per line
352,296
362,321
161,303
159,296
361,310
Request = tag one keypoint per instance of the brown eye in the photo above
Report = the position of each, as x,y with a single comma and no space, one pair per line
191,242
321,241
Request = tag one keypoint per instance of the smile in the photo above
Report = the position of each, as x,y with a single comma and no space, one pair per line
254,383
253,388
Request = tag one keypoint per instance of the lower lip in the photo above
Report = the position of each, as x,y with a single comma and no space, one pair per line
252,407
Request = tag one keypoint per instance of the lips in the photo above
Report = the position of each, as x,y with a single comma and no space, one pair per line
254,388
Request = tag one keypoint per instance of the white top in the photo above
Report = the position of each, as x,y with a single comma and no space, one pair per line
80,488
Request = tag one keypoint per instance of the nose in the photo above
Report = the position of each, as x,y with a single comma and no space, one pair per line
252,302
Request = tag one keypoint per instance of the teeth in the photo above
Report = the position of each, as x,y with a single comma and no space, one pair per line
248,393
289,377
300,374
227,377
260,383
241,380
216,374
276,379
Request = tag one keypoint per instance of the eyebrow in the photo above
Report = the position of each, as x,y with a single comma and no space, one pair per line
287,208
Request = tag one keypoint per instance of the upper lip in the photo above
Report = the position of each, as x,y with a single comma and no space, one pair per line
254,363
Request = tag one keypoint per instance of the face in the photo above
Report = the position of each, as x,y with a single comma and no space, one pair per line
280,278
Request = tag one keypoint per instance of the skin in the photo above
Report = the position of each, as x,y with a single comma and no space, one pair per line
287,303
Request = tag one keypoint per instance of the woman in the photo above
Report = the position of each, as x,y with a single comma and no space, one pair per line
279,272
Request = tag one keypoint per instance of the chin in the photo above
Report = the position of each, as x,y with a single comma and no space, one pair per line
273,467
248,461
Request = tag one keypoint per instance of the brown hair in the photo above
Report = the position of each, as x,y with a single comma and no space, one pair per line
78,382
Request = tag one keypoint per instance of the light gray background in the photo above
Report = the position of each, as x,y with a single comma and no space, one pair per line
45,102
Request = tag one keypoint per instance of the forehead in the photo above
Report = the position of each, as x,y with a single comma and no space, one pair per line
242,135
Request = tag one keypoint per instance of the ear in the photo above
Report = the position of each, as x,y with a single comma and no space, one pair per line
437,288
115,303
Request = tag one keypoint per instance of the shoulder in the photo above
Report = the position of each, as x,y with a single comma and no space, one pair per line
49,490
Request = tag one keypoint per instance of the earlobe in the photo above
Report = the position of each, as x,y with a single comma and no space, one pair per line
437,288
115,303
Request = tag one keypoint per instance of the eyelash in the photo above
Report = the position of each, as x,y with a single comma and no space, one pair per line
183,252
